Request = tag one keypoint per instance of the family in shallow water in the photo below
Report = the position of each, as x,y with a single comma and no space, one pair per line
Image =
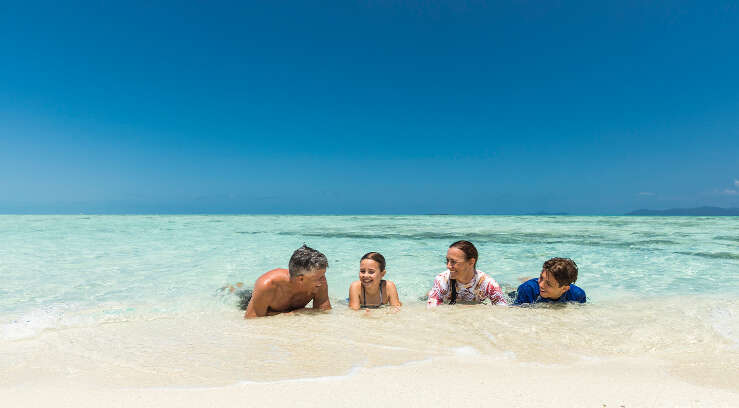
287,290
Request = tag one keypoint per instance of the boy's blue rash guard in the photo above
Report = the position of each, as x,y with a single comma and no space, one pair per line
528,292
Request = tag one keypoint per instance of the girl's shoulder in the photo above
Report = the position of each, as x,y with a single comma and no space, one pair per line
355,285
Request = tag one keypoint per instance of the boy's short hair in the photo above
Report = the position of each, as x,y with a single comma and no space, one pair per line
564,270
305,260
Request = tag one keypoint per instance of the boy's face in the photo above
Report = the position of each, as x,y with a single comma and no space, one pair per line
549,288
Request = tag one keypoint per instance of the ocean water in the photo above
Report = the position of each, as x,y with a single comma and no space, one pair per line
138,297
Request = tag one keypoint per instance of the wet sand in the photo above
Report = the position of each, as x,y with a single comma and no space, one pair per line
674,352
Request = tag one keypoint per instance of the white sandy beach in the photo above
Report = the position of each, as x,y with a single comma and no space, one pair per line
457,381
633,355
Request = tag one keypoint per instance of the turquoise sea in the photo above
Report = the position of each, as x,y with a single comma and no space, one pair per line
162,261
88,283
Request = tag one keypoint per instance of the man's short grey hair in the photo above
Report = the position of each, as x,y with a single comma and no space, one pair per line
306,260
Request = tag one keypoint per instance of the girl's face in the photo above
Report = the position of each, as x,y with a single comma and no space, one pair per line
370,274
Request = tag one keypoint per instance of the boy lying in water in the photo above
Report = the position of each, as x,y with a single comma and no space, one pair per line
555,284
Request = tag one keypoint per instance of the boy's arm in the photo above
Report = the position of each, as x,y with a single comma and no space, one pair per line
581,296
524,294
320,299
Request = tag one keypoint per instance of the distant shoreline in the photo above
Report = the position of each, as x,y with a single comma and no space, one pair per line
695,212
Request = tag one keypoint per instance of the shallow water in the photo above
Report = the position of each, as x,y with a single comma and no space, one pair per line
137,296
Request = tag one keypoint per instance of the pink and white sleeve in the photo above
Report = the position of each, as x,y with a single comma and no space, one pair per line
495,293
437,293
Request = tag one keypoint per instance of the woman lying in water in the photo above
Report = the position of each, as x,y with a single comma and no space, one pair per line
371,291
462,281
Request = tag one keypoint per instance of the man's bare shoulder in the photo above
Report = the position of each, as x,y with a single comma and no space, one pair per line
272,278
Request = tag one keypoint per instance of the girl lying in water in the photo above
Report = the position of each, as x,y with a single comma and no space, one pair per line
371,291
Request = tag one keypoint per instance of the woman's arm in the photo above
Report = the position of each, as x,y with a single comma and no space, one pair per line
437,293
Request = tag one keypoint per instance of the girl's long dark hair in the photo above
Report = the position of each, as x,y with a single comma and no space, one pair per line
469,252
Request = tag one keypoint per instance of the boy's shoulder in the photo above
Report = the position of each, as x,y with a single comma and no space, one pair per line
576,294
527,292
532,283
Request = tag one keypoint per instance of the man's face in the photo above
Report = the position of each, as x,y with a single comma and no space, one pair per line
549,288
315,278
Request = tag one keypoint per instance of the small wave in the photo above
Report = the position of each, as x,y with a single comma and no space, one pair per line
34,323
712,255
627,244
465,351
500,238
725,238
656,242
724,323
352,371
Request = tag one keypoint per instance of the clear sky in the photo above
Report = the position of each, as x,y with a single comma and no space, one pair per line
469,107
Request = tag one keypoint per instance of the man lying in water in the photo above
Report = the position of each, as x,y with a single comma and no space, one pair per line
555,284
286,290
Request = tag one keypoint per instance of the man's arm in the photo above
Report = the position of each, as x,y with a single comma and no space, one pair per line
320,299
260,300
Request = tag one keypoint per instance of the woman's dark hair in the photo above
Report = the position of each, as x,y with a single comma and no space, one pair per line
377,257
469,252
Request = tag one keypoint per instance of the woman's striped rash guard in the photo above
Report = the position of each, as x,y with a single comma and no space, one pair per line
481,287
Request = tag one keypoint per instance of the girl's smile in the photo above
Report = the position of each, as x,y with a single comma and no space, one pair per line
370,274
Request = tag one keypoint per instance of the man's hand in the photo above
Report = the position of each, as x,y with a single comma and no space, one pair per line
320,299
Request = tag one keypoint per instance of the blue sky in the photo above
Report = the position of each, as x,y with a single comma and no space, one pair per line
465,107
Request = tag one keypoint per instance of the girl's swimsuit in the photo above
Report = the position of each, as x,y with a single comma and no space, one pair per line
481,287
364,304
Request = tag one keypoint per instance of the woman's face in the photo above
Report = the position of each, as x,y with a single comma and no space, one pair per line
457,264
370,274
